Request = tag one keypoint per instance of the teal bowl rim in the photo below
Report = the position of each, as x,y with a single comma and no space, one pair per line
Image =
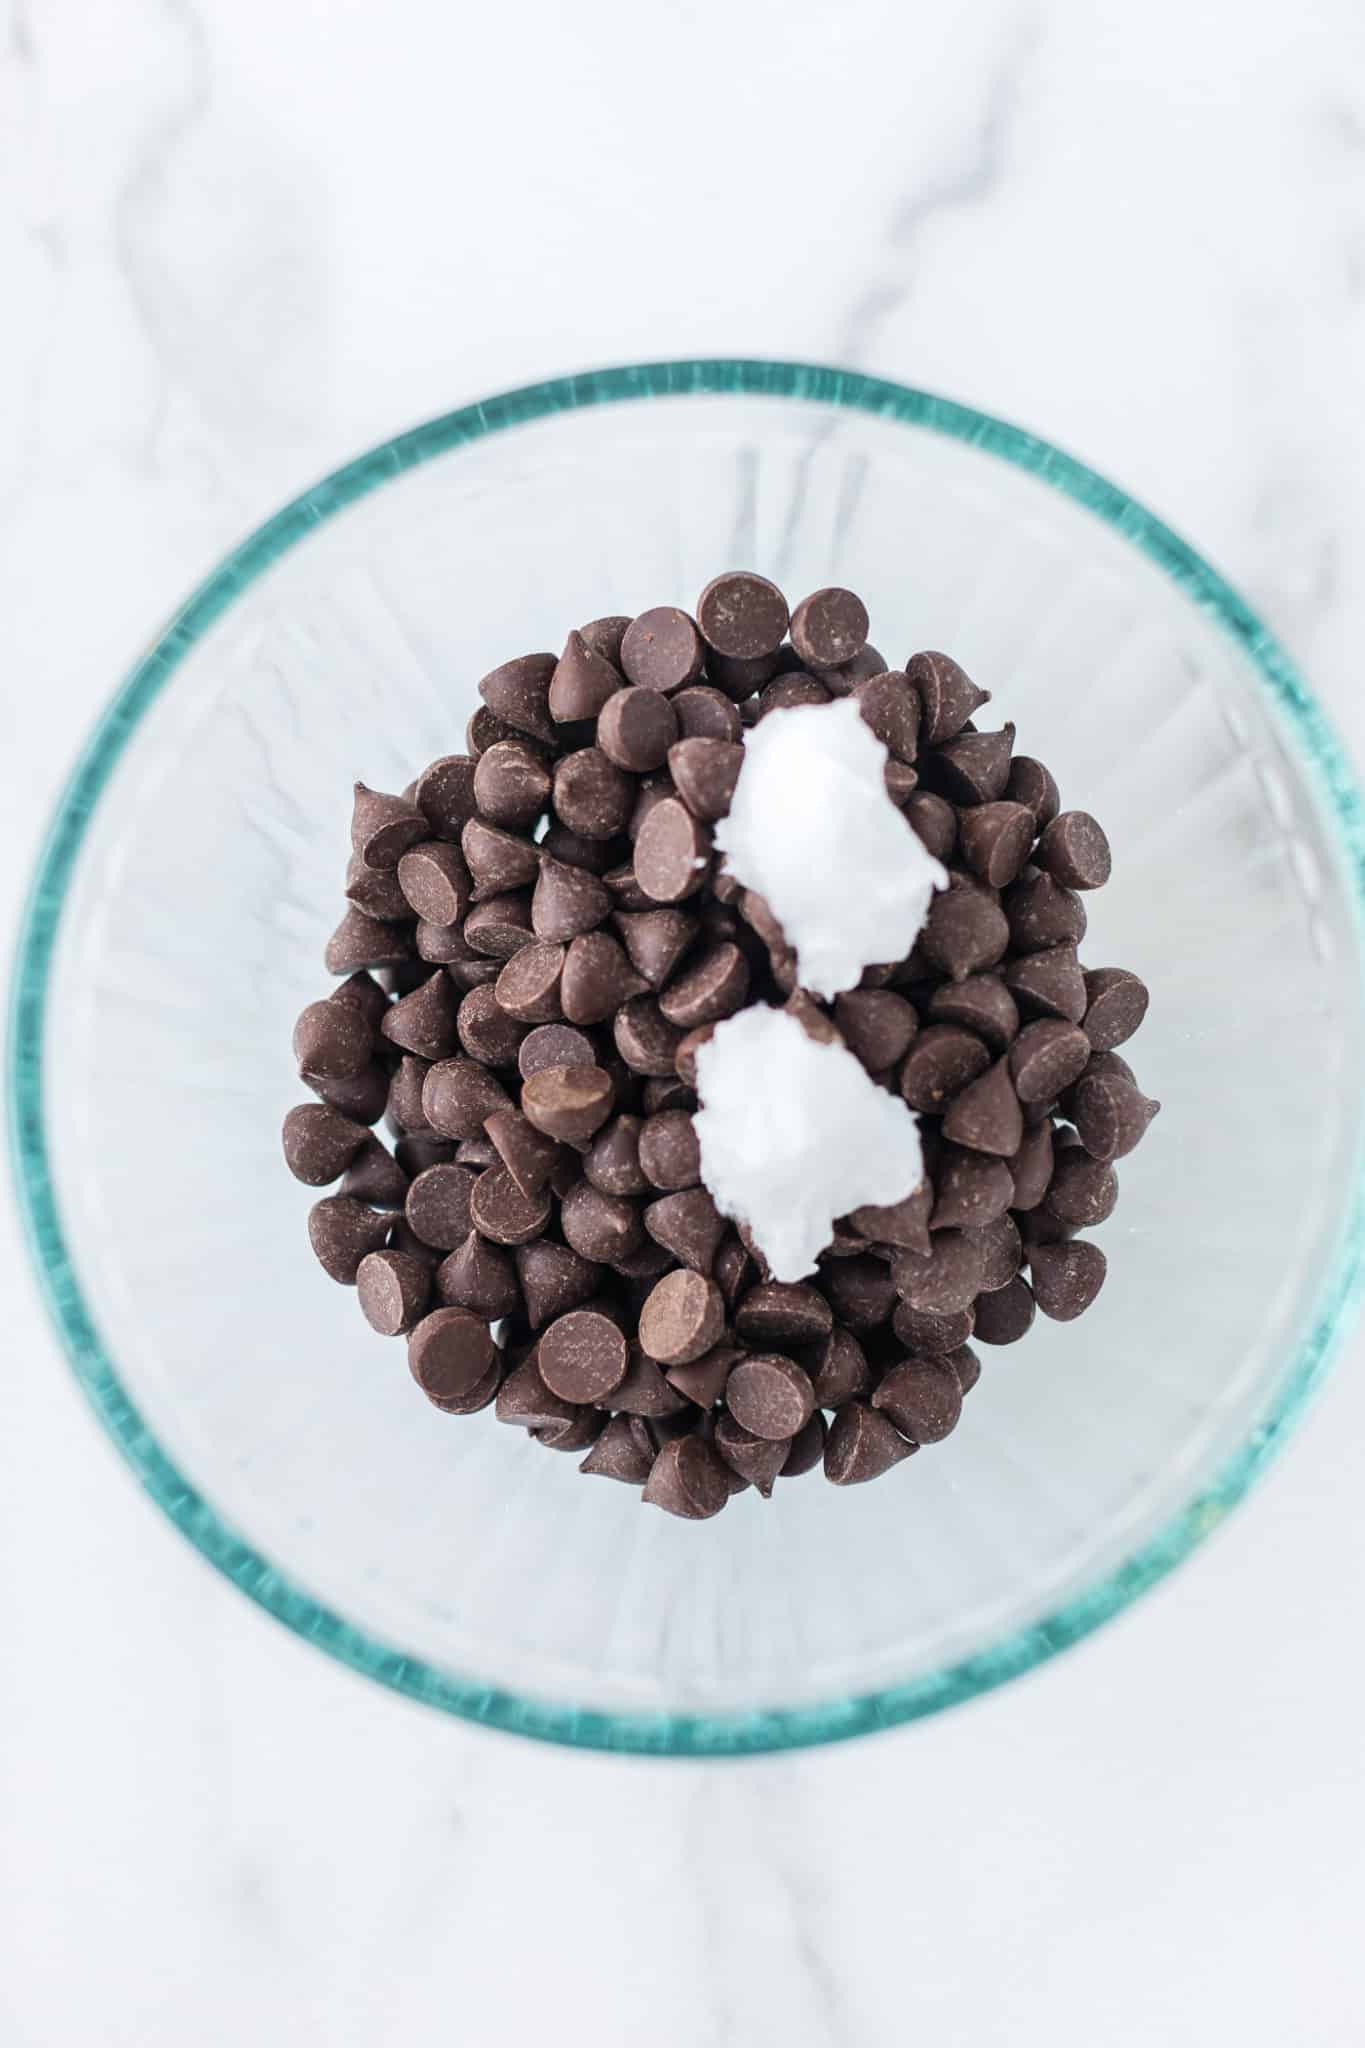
730,1734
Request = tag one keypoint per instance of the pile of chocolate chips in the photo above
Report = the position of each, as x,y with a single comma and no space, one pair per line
538,939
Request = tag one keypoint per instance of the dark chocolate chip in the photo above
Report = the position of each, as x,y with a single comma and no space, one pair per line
553,1279
662,649
706,714
933,821
320,1143
784,1311
529,988
525,1402
393,1289
714,986
480,1277
617,1454
668,1151
511,784
518,692
877,1025
947,694
1042,913
1116,1003
1001,1253
376,891
592,796
995,840
436,882
528,1154
1048,984
683,1317
861,1292
943,1060
450,1353
598,978
755,1458
973,768
838,1369
928,1334
703,1381
567,901
583,1356
671,852
972,1189
645,1039
1110,1115
554,1045
384,827
890,706
613,1161
645,1391
687,1479
445,794
1066,1278
600,1227
438,1205
1075,852
333,1040
405,1095
1047,1057
982,1004
898,1223
964,932
1031,784
423,1023
341,1232
655,941
742,615
829,627
948,1280
457,1095
1031,1167
567,1102
1005,1315
500,1211
498,861
704,774
1083,1191
807,1448
986,1115
862,1444
582,682
486,1031
923,1398
374,1176
770,1396
688,1225
604,636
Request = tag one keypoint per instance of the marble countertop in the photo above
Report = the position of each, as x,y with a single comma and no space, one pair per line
242,242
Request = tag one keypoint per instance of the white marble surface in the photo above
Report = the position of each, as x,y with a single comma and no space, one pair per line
240,242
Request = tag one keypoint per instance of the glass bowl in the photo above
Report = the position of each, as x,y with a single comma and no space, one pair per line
176,927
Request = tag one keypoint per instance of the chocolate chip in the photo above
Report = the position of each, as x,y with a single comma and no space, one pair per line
656,941
862,1444
592,796
742,616
384,827
947,694
860,1291
945,1282
1001,1253
668,1151
645,1039
898,1223
567,901
1075,852
438,1205
996,839
927,1334
1042,913
964,932
405,1095
604,636
933,821
1048,984
518,692
333,1040
626,891
553,1279
671,852
755,1458
923,1398
374,1176
525,1402
663,1092
662,649
376,891
829,627
585,1429
703,1381
1004,1316
613,1161
554,1045
1110,1114
598,978
423,1023
476,1152
943,1060
393,1289
445,794
706,714
739,678
838,1369
877,1025
687,1479
713,987
1031,1167
900,781
617,1454
783,1311
435,882
529,988
528,1154
341,1232
450,1353
320,1143
688,1225
486,1031
683,1317
645,1391
501,1212
1032,785
789,693
982,1004
973,768
1047,1057
986,1116
704,774
498,861
600,1227
583,1356
1066,1278
770,1396
457,1095
1116,1003
480,1277
1083,1191
567,1102
582,682
971,1189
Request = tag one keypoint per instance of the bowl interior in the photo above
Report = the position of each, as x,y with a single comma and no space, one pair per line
450,1555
